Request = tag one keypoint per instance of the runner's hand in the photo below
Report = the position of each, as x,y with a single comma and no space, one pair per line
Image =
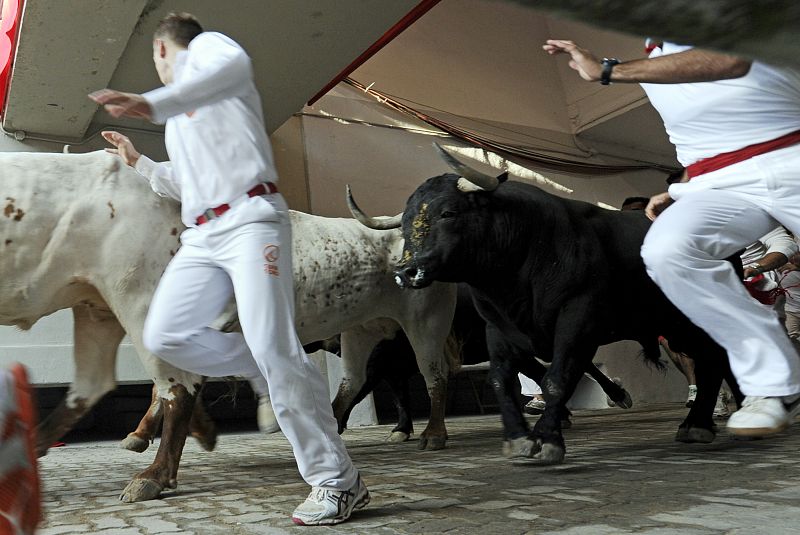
119,104
581,60
658,203
124,147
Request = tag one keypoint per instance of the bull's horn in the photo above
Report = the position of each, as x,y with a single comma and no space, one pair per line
473,176
377,223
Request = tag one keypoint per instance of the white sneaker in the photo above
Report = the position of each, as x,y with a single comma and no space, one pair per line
692,395
721,409
762,416
535,406
326,506
267,423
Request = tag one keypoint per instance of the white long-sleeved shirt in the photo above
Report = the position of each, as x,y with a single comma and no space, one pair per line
709,118
215,137
775,241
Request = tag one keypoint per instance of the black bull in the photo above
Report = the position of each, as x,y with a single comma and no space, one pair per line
552,277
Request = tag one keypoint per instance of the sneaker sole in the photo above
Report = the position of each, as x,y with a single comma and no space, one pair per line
757,431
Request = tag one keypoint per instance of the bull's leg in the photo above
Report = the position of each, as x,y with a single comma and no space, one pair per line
393,361
97,337
699,423
615,392
571,356
369,385
145,432
402,402
357,345
535,370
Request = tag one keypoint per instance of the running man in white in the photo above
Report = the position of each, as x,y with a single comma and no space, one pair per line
238,243
736,128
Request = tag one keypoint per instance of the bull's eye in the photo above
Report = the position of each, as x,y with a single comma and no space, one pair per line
447,214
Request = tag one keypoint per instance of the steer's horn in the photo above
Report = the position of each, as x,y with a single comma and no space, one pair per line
476,179
377,223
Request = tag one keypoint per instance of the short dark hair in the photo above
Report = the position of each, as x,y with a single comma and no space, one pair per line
675,176
181,28
633,200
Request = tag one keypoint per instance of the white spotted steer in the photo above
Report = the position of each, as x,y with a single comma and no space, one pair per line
82,231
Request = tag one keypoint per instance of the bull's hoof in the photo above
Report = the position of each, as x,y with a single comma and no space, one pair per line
695,435
396,437
522,447
140,490
134,443
626,402
550,454
432,443
207,442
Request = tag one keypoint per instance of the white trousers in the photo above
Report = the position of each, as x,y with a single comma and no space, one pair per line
247,252
529,387
714,216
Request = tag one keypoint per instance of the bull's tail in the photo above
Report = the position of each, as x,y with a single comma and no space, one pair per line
651,354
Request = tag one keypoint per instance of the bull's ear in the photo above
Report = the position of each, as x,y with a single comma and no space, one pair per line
502,177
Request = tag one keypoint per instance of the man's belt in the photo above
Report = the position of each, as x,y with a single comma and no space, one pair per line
264,188
714,163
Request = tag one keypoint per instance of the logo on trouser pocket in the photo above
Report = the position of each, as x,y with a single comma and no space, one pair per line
271,254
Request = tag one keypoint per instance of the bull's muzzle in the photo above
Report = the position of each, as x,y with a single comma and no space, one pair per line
410,276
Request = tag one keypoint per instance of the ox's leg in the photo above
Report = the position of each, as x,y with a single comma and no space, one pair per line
178,404
145,432
176,391
427,328
428,344
357,345
97,337
201,426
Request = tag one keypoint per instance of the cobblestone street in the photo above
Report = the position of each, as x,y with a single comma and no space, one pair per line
623,474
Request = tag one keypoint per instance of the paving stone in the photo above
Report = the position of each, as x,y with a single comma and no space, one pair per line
623,473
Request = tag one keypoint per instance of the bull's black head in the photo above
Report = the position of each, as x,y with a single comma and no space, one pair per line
445,225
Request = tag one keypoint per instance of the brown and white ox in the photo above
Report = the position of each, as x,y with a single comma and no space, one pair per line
83,231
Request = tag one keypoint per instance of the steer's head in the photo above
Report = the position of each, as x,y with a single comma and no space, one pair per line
445,225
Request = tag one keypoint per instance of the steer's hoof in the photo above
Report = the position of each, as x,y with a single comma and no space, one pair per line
522,447
396,437
550,454
432,443
134,443
140,490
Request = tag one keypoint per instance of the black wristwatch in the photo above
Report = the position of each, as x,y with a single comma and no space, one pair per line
608,65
